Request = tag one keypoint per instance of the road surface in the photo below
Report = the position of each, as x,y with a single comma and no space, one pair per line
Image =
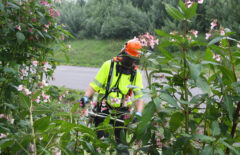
77,77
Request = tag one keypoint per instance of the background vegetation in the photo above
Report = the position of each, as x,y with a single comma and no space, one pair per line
123,19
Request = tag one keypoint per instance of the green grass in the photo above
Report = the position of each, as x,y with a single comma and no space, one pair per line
90,53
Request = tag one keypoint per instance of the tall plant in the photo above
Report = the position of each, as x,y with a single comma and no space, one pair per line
195,107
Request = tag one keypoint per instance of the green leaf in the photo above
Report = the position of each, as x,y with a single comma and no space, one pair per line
215,129
182,6
65,138
42,124
20,37
176,121
210,62
169,99
75,107
173,12
4,143
228,75
1,6
14,6
167,54
24,100
157,102
229,146
208,55
162,33
191,12
195,70
204,138
208,150
107,120
215,40
148,112
228,105
203,85
220,151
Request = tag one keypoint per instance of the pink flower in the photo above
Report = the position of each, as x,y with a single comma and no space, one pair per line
23,72
117,101
45,30
35,63
3,116
60,97
20,88
37,99
85,112
20,3
31,147
27,91
135,38
156,125
143,42
30,13
69,46
189,38
217,57
63,37
200,1
222,32
3,135
34,20
46,98
21,77
213,24
159,144
99,149
46,26
44,2
31,37
208,35
19,27
42,84
126,116
151,43
37,37
103,109
54,13
44,69
188,3
156,41
93,103
30,30
195,33
238,45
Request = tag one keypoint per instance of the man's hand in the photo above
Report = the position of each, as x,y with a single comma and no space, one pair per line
83,101
137,117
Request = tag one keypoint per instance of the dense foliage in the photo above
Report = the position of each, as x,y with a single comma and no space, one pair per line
125,18
36,120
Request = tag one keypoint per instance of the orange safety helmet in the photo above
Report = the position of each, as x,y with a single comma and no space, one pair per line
132,48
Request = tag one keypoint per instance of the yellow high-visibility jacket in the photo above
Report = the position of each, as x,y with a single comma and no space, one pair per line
115,99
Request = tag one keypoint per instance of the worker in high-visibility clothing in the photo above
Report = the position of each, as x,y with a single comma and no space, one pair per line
112,84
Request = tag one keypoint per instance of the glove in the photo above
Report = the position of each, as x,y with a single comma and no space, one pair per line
137,117
83,101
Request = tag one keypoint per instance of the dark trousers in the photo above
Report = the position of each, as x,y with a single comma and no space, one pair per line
117,131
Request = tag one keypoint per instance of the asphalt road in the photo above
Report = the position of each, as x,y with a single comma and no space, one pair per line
77,77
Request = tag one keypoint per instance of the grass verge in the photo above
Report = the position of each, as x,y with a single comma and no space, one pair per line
90,53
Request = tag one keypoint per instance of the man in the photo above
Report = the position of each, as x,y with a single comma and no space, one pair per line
112,84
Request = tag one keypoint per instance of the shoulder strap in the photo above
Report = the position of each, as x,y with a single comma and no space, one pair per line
109,76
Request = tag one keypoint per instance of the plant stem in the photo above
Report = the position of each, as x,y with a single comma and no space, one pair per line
33,133
22,147
231,59
185,80
235,122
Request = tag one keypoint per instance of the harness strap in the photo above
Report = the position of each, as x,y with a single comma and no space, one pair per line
116,86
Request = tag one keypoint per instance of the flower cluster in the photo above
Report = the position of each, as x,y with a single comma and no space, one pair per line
8,117
147,40
189,3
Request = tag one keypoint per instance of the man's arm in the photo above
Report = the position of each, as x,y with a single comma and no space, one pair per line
89,92
139,105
